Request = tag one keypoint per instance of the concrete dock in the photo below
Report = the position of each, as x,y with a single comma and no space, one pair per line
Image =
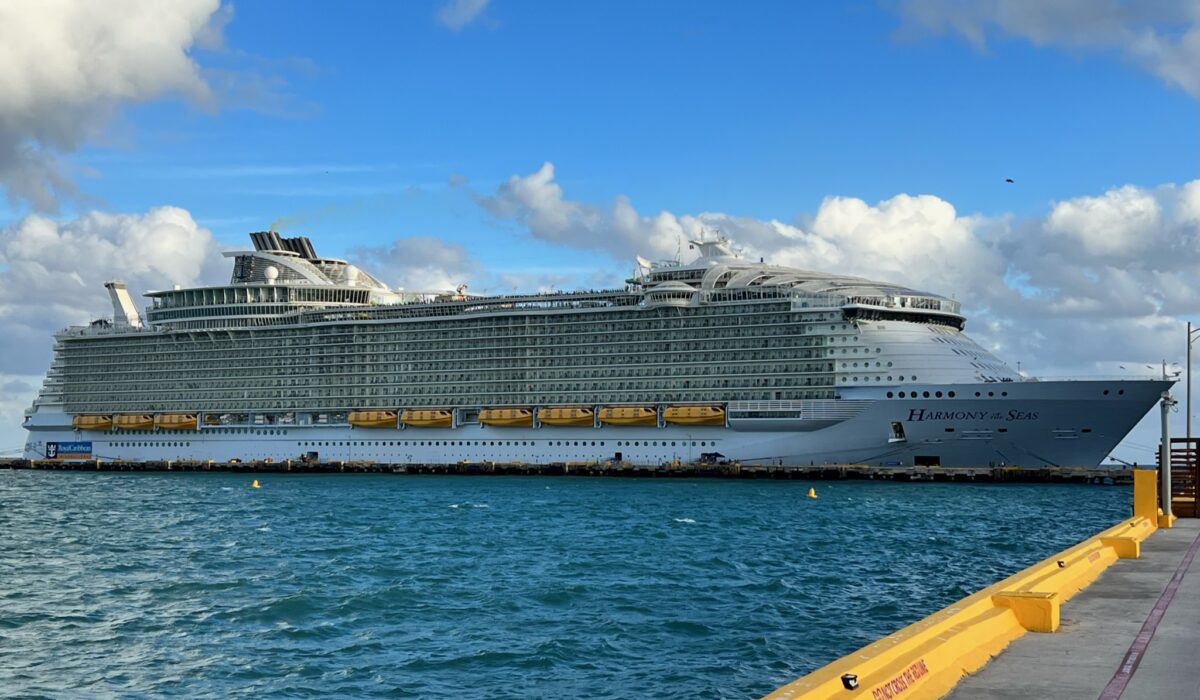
1134,634
1119,476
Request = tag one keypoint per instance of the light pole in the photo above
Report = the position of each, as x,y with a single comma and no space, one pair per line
1191,338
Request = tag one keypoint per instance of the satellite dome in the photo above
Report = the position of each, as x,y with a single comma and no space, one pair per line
271,274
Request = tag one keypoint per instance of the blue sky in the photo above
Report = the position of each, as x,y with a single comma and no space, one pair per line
760,110
517,144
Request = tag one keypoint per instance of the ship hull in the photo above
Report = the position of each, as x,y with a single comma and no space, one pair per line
1070,423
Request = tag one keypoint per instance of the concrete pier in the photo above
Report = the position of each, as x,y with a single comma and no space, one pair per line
1119,476
1126,636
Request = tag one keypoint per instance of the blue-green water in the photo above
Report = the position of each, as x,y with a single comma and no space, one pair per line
395,586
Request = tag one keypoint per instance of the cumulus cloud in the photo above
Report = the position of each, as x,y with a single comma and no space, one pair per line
65,65
419,263
52,273
1116,223
1098,280
536,201
1161,36
456,14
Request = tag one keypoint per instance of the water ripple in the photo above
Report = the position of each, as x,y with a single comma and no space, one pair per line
194,584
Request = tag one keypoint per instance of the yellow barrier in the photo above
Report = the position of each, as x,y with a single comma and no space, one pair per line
927,658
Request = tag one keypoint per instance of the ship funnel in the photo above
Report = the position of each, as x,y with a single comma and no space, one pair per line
125,314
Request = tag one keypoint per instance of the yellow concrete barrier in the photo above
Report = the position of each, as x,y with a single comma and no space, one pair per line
927,658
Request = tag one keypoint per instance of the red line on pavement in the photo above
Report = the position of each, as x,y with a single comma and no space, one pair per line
1137,650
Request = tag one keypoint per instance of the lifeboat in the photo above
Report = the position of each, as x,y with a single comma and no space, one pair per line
373,419
629,415
176,421
694,415
134,421
579,415
92,422
507,417
428,418
211,420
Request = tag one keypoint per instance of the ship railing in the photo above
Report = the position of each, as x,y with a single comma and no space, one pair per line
1131,377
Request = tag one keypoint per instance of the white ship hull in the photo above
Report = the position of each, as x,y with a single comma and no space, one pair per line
1062,423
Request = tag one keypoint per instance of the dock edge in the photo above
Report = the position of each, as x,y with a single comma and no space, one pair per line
929,657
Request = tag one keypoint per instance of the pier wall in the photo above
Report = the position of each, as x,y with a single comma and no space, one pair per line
927,658
826,472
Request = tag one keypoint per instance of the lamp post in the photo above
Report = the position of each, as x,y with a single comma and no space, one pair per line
1191,338
1192,334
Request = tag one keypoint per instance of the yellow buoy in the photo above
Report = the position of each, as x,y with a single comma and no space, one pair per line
812,493
254,485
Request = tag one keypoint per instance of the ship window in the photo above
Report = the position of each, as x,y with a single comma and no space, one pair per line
951,394
890,395
949,430
977,394
1002,430
1086,430
1004,393
938,394
1120,392
991,393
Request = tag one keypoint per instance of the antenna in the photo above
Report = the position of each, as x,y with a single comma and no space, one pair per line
678,247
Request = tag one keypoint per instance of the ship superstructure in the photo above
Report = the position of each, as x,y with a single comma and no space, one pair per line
301,356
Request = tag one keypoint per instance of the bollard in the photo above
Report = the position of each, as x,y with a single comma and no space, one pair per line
1145,494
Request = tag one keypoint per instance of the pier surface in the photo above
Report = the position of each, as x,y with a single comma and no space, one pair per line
729,470
1101,649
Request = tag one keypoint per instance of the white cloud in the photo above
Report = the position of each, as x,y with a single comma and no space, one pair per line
456,14
419,263
52,273
536,201
65,65
1116,223
1161,36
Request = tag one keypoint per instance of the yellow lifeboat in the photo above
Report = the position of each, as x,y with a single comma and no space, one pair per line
507,417
629,415
92,422
176,421
134,421
694,415
578,415
427,418
373,419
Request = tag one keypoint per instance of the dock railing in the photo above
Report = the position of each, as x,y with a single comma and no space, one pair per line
1185,475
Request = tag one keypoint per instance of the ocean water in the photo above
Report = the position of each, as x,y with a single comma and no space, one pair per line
150,585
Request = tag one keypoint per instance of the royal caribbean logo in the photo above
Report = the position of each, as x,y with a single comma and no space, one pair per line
68,450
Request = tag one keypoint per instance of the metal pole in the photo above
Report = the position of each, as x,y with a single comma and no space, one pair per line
1164,456
1193,465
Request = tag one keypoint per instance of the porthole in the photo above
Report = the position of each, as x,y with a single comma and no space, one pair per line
1106,392
991,393
1121,392
951,394
1004,393
938,394
902,395
925,394
889,394
977,394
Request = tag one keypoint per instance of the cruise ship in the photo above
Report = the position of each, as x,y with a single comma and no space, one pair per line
304,357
